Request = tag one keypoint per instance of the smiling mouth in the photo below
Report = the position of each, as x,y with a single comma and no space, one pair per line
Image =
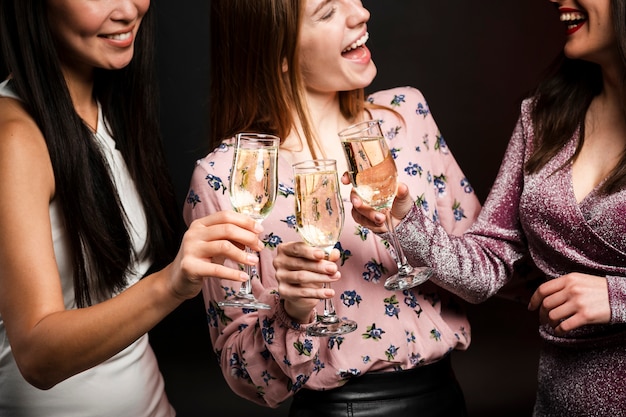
360,42
573,20
118,36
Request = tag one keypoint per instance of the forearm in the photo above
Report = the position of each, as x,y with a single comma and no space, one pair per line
68,342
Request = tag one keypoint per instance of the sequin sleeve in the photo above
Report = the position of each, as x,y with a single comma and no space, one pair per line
617,298
478,263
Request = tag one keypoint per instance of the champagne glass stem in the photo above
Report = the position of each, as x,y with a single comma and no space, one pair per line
246,287
403,266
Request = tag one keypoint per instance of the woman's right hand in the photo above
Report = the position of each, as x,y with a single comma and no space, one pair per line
206,244
301,272
374,220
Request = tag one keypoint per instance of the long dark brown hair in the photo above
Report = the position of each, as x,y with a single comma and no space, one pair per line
252,42
94,219
562,101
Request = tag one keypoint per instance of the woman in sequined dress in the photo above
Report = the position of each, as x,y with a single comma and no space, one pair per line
297,69
560,197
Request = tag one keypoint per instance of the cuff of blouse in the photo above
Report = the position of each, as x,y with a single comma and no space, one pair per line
284,319
617,298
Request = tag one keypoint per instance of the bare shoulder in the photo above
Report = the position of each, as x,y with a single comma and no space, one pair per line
24,155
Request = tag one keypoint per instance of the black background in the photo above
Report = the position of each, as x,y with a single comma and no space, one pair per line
474,61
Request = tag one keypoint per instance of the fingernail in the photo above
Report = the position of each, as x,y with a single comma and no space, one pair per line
379,218
243,276
252,258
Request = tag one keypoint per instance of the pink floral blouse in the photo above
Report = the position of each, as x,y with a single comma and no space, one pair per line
266,357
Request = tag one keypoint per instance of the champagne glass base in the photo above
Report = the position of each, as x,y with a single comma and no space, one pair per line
331,326
244,301
408,279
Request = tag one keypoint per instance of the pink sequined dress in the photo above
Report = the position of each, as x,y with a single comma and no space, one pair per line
583,373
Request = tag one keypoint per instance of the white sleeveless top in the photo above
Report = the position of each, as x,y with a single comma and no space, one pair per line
127,385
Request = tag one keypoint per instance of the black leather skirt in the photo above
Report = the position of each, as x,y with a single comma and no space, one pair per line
425,391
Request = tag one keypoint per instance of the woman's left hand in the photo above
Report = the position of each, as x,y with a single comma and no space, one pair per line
571,301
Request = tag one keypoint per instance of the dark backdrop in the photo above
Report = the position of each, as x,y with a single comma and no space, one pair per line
474,61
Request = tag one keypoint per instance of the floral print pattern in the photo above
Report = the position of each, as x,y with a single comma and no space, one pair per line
266,357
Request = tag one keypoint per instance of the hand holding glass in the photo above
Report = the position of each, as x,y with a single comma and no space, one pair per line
319,219
373,174
252,189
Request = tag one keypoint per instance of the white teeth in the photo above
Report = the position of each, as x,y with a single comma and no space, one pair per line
120,36
359,42
572,17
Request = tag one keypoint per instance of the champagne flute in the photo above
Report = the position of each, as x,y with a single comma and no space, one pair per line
319,219
373,174
253,186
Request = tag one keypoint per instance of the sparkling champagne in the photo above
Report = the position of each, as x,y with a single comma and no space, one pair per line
253,184
372,171
319,208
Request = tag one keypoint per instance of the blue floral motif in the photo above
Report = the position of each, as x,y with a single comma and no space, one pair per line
267,330
435,216
422,110
410,337
362,232
391,306
344,254
238,367
242,327
395,152
416,359
304,348
215,182
422,202
373,271
435,334
284,190
397,99
267,377
393,132
271,241
411,301
373,332
318,365
299,383
467,187
286,361
215,313
439,183
414,169
350,298
391,352
366,359
193,198
290,221
335,341
441,145
222,147
459,213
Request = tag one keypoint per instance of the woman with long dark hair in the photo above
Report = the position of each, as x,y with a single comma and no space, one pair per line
560,198
88,260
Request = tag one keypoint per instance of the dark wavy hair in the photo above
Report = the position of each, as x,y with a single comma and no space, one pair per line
562,101
251,42
94,218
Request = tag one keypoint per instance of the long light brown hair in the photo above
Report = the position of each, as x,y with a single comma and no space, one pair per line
256,84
